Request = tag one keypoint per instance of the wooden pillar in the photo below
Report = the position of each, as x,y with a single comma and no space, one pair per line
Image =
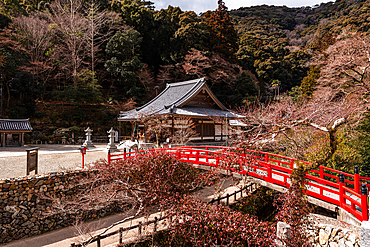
214,133
173,126
132,131
119,131
20,139
145,140
201,127
2,139
221,131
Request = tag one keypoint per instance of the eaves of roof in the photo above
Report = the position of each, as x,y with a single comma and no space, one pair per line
15,125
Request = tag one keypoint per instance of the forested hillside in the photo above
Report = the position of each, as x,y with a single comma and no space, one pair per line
78,63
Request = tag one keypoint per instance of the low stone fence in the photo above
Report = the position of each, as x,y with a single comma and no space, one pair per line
22,210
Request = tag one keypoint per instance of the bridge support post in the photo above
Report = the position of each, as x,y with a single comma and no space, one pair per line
269,175
341,190
321,172
357,180
364,204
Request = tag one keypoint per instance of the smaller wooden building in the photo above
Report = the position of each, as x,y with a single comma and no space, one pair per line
12,131
192,99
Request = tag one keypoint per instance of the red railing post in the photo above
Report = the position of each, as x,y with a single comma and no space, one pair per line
83,161
124,154
341,190
197,156
269,175
356,180
364,204
109,156
321,172
217,160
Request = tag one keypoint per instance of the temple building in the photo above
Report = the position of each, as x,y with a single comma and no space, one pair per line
12,131
189,99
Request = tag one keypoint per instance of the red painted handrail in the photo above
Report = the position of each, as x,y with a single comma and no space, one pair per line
323,184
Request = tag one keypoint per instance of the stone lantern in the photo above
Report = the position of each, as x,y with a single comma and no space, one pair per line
111,146
88,142
64,140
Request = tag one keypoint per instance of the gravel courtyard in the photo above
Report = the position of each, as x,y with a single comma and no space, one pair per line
52,158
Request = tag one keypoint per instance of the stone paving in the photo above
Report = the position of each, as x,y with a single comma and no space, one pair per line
52,158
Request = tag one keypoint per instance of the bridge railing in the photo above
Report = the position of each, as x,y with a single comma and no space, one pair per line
327,184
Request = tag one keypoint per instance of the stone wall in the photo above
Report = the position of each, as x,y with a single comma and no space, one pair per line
22,211
332,233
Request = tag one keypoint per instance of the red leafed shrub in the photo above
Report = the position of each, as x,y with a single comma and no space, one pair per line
197,223
142,182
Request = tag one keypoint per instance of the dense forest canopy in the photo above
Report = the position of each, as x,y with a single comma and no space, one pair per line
62,61
81,52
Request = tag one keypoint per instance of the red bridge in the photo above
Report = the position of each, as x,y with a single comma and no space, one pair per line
332,189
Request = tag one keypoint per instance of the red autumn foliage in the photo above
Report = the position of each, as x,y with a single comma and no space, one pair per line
201,224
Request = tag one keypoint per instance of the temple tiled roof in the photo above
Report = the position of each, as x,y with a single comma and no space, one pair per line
15,125
173,100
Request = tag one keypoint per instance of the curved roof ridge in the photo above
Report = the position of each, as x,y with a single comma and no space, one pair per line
154,99
194,89
175,84
183,99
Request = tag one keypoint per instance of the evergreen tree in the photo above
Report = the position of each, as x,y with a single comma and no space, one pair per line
124,63
309,82
223,37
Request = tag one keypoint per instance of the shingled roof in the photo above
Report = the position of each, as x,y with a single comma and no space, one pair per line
173,100
22,125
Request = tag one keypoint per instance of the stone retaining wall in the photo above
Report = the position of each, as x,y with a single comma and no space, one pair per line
335,235
21,208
